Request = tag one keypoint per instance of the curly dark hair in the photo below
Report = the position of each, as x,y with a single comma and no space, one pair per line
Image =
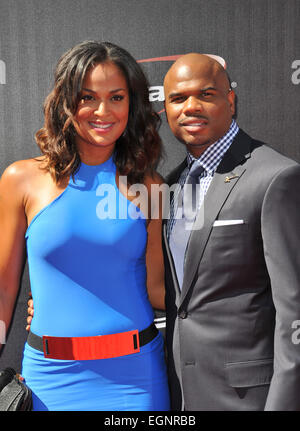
138,149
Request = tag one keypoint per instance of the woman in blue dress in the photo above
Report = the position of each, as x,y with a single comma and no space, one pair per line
82,213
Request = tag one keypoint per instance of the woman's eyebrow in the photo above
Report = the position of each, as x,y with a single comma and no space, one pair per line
111,91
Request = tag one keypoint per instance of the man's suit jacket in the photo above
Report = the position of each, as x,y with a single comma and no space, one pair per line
229,331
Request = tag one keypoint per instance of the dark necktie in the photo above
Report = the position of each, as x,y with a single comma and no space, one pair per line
182,227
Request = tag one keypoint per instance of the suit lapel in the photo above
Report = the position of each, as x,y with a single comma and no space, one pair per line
225,179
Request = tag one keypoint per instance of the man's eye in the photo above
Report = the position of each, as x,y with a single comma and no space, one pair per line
206,94
178,99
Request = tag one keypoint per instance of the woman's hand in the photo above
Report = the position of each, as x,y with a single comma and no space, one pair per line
30,311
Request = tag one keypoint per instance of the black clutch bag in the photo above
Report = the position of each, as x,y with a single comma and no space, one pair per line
14,394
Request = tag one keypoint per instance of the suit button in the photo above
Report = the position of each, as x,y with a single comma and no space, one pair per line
183,314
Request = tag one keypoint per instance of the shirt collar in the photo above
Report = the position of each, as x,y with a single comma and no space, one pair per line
213,155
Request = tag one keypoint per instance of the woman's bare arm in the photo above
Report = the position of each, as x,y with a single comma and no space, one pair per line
13,225
154,252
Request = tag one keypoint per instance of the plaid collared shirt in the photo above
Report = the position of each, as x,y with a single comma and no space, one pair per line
209,160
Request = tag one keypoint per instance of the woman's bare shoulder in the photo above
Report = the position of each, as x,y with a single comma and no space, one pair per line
22,172
22,168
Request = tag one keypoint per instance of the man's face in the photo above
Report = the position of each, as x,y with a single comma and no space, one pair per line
198,101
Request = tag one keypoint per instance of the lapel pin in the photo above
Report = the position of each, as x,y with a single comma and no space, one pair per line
228,179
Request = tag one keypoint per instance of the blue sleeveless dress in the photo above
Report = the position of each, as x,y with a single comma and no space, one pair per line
86,257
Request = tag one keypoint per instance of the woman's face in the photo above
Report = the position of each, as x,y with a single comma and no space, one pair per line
103,108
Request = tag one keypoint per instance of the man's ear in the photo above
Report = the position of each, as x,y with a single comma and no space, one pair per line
165,111
231,100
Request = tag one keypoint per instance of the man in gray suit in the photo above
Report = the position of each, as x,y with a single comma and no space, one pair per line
233,278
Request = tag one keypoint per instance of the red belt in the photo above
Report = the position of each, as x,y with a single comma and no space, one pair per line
95,347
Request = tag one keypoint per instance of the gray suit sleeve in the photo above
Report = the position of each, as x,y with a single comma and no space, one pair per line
281,237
